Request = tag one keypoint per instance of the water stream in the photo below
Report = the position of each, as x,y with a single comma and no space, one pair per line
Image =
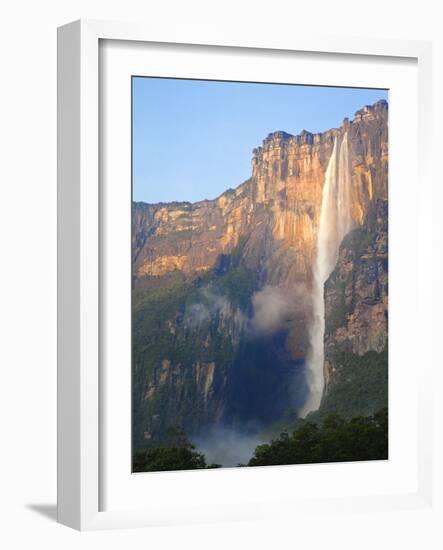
335,223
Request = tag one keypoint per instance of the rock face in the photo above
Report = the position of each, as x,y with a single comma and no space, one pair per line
209,268
356,293
356,307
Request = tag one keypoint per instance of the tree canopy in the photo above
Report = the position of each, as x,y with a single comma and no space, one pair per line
335,440
178,453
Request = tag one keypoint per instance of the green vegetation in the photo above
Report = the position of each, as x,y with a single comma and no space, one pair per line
237,286
336,439
151,311
177,453
180,322
360,386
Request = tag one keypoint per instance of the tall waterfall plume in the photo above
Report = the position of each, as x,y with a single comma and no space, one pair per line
335,222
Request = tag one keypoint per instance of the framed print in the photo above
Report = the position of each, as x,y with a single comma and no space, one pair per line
236,240
251,313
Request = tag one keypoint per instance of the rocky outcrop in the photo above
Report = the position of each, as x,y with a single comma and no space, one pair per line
356,296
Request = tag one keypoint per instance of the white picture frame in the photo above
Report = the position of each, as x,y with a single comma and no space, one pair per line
79,263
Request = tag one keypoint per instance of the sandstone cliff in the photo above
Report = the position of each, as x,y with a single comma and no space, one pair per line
280,203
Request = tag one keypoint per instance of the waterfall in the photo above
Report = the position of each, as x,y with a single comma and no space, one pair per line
335,223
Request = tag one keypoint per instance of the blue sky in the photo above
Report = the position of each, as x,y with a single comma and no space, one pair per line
193,139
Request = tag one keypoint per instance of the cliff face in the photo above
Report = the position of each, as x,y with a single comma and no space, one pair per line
208,269
356,293
280,203
356,315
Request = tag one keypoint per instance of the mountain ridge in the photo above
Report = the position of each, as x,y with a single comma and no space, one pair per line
304,136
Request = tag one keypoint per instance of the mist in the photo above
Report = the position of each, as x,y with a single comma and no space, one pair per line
275,306
209,305
227,447
272,310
